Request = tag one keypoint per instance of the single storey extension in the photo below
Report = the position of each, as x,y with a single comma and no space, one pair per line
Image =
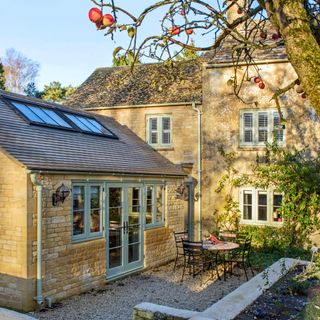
82,200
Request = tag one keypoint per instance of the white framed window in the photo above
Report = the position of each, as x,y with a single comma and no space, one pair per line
155,206
260,126
87,208
159,130
260,206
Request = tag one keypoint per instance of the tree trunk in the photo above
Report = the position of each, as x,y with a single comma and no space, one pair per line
301,46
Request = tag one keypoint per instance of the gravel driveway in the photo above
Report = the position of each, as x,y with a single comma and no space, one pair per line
159,285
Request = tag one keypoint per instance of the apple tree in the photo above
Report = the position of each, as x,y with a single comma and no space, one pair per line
264,24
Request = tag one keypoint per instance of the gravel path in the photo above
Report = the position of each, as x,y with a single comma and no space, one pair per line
160,285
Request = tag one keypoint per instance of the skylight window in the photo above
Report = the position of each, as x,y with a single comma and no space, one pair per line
41,115
59,118
88,124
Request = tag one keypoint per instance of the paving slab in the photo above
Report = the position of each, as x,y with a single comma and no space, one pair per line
6,314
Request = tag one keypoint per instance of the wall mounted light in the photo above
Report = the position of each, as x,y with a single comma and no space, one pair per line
60,195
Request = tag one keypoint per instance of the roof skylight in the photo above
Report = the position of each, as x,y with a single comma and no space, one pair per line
41,115
87,124
45,116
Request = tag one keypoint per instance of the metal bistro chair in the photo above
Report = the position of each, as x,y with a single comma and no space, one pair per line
179,237
195,259
241,256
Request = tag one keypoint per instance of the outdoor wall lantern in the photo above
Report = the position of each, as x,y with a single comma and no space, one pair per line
60,195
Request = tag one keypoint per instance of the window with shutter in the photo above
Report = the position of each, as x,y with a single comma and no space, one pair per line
257,127
159,131
248,127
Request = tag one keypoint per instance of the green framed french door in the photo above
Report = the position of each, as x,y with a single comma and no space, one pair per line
124,232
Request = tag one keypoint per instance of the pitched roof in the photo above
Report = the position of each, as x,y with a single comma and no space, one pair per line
147,84
223,54
45,148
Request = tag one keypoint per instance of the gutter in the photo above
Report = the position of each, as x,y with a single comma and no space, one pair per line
170,104
243,63
35,179
195,108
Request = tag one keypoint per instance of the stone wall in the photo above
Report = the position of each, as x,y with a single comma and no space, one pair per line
222,108
71,268
13,234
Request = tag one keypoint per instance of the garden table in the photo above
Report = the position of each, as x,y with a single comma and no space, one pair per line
221,248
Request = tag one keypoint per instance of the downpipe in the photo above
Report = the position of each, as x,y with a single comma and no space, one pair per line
195,108
35,179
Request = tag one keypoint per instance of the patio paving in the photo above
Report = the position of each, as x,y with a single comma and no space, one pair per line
159,285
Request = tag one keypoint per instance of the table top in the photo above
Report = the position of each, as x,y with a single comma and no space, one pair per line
222,246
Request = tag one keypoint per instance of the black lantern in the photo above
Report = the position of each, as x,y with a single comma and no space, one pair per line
60,195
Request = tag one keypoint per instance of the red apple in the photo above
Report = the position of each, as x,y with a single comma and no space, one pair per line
189,31
263,35
256,79
182,12
261,85
108,20
99,25
239,11
95,15
175,30
275,36
304,95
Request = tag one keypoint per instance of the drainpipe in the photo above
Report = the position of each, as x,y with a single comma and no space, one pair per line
195,108
35,179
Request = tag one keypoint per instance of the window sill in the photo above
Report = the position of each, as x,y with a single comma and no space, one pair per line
154,226
261,224
256,147
92,238
162,148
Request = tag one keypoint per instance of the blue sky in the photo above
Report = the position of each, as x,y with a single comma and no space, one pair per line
58,34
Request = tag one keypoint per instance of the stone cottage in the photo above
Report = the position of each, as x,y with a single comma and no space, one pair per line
186,112
82,200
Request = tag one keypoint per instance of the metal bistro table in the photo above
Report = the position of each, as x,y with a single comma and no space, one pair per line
221,247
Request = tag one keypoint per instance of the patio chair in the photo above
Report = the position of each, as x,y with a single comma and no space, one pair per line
241,256
228,235
178,237
196,259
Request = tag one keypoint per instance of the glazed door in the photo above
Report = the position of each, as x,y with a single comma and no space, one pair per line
124,229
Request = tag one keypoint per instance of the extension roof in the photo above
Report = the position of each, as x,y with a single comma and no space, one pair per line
41,147
156,83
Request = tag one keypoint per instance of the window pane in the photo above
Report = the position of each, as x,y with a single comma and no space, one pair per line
277,127
166,123
166,138
263,119
159,204
248,120
89,125
248,136
134,205
247,205
57,118
78,210
277,200
43,116
154,138
77,122
27,112
262,206
153,124
263,136
99,126
95,207
115,197
149,206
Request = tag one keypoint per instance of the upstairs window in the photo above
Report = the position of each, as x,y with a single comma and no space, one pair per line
260,206
159,133
257,127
